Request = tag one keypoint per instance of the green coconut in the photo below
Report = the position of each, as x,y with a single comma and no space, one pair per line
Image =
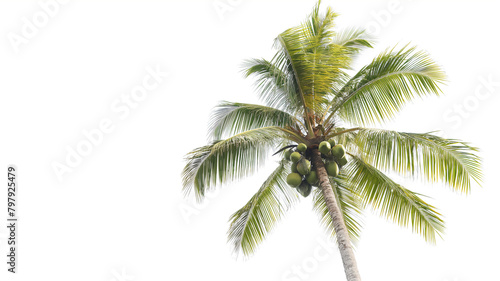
294,179
312,178
338,151
342,161
325,148
295,157
304,189
302,147
332,142
304,166
287,154
294,168
332,169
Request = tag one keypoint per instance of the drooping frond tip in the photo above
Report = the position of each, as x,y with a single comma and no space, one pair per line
424,155
393,201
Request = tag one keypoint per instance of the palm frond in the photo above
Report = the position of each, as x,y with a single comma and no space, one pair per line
379,90
393,201
353,39
275,84
230,118
251,224
425,155
349,204
227,160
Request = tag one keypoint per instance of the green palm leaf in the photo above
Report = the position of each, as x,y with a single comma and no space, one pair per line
250,225
275,84
426,155
230,159
353,39
394,201
230,118
349,204
380,89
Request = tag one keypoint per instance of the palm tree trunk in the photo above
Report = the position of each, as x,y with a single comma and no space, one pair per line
343,240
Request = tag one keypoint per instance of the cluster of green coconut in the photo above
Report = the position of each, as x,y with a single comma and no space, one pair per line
303,177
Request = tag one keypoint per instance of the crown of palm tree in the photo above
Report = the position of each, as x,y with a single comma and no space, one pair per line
309,97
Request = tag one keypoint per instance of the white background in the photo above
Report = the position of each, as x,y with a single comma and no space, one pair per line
120,214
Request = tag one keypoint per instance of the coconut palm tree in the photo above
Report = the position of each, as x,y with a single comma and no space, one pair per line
309,96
